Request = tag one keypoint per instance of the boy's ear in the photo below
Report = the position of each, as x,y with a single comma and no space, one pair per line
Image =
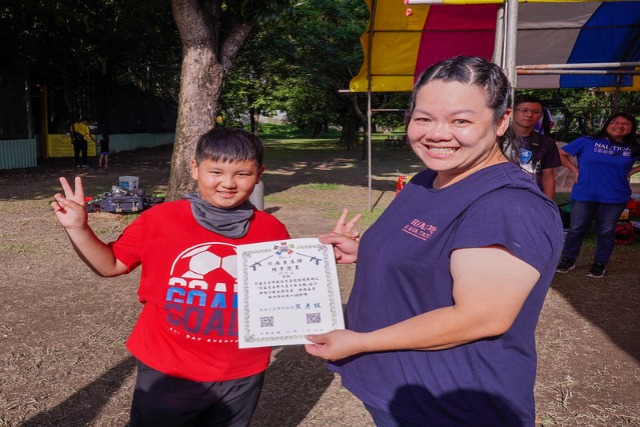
194,170
260,172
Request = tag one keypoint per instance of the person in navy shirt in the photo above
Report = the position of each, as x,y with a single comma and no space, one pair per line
450,280
539,155
601,190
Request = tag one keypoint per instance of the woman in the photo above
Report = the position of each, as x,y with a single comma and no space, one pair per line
601,190
451,278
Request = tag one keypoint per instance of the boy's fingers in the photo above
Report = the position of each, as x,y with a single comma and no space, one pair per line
332,237
353,222
340,224
79,189
76,193
346,227
68,192
56,206
66,203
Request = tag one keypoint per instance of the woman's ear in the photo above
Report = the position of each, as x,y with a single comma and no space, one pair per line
504,122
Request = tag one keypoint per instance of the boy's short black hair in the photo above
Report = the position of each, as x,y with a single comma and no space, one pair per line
522,98
229,145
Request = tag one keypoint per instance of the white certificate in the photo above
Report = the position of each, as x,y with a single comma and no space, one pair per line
286,290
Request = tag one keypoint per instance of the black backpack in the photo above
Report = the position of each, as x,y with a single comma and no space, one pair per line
75,135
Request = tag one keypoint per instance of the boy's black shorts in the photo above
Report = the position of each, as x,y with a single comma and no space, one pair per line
160,400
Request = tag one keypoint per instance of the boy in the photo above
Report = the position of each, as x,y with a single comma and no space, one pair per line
190,369
540,153
104,151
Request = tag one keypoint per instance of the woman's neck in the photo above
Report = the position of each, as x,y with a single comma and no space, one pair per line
447,178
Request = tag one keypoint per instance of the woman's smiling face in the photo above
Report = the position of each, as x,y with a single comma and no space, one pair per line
619,127
453,131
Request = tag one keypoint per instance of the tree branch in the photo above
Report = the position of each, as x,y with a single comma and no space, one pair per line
232,44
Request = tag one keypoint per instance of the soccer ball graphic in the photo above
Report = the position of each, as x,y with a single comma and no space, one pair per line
201,295
197,263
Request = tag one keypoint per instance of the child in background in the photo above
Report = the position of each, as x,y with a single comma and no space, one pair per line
190,369
104,151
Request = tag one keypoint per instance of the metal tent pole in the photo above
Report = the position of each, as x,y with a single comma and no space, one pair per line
369,112
369,161
498,45
511,41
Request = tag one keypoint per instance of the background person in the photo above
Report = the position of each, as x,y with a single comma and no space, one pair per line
540,154
80,137
545,123
104,151
601,190
444,306
190,369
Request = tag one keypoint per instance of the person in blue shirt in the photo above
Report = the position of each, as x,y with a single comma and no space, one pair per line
451,278
601,190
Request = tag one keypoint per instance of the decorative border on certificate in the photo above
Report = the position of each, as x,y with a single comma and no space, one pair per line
286,290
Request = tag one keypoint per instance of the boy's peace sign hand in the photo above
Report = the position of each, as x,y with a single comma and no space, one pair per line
346,227
344,239
70,208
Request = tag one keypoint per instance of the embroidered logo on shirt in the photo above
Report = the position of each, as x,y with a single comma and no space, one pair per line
420,229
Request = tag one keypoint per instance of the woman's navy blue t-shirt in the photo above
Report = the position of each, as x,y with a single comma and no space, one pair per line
404,270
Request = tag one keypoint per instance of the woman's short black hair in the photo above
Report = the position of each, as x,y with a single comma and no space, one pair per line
473,70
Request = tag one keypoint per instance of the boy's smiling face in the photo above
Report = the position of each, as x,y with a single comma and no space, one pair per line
223,184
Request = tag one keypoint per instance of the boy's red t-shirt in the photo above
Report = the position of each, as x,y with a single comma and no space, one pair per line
188,326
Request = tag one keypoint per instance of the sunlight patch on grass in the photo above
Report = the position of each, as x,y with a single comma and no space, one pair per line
320,186
307,144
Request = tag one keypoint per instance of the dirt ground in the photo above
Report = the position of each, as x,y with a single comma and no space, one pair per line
62,329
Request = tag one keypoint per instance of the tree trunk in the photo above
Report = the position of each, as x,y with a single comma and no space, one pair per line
589,122
200,88
317,130
363,119
568,118
349,132
206,60
254,120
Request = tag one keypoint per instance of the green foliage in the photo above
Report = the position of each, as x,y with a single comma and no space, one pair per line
279,131
391,120
57,40
582,111
298,63
250,87
326,50
83,52
288,130
261,11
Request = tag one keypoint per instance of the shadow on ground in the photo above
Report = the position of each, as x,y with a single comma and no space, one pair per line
294,383
610,303
86,404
